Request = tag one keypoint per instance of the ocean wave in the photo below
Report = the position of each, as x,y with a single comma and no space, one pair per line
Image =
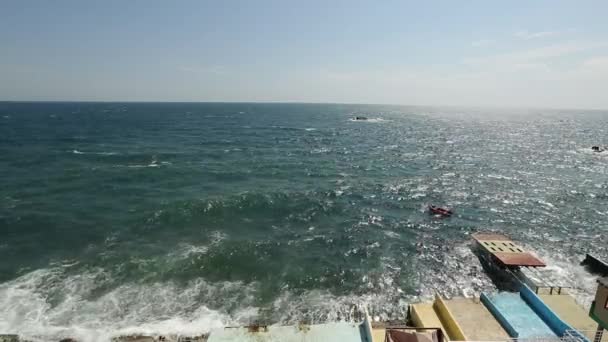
320,150
284,206
455,260
27,307
46,304
152,164
370,120
187,250
138,166
95,153
566,271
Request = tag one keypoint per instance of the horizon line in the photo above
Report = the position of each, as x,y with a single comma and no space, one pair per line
515,107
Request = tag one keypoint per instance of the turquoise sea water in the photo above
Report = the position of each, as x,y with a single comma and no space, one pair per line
186,216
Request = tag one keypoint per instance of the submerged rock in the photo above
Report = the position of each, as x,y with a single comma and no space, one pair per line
9,338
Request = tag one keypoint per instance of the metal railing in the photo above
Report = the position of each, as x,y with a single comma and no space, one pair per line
590,335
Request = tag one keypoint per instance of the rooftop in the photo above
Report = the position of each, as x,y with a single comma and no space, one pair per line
506,251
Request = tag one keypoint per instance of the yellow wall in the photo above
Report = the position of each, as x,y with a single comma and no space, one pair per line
449,323
600,300
415,317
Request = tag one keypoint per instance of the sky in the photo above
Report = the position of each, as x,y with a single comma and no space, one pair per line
515,53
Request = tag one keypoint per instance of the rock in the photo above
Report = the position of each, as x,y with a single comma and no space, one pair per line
201,338
134,338
9,338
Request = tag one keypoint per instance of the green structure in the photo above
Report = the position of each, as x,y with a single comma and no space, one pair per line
599,308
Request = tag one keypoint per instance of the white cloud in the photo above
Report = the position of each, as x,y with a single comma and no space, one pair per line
532,78
596,64
482,42
532,56
526,35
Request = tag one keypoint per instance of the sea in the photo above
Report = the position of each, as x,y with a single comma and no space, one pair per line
124,218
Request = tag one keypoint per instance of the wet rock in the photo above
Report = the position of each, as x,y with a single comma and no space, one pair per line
201,338
134,338
9,338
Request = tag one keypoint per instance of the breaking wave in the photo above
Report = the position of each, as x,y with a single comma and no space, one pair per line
371,120
46,304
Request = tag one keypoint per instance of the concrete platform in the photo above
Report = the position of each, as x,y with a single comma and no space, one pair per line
424,316
506,251
378,334
330,332
570,312
476,321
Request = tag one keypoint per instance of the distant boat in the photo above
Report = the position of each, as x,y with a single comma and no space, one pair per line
440,211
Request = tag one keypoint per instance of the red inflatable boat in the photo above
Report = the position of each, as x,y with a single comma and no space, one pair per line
440,211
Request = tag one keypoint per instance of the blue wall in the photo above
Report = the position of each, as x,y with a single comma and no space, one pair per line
556,324
498,315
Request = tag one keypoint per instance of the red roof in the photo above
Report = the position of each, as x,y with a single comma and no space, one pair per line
506,251
519,259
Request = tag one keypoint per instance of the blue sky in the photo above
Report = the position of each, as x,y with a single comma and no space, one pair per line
495,53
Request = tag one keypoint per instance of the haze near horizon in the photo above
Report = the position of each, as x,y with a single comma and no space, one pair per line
476,53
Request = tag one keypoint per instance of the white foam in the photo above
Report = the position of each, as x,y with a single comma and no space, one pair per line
546,203
461,272
97,153
499,177
383,299
139,166
169,309
391,234
186,251
564,271
372,120
26,309
320,150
